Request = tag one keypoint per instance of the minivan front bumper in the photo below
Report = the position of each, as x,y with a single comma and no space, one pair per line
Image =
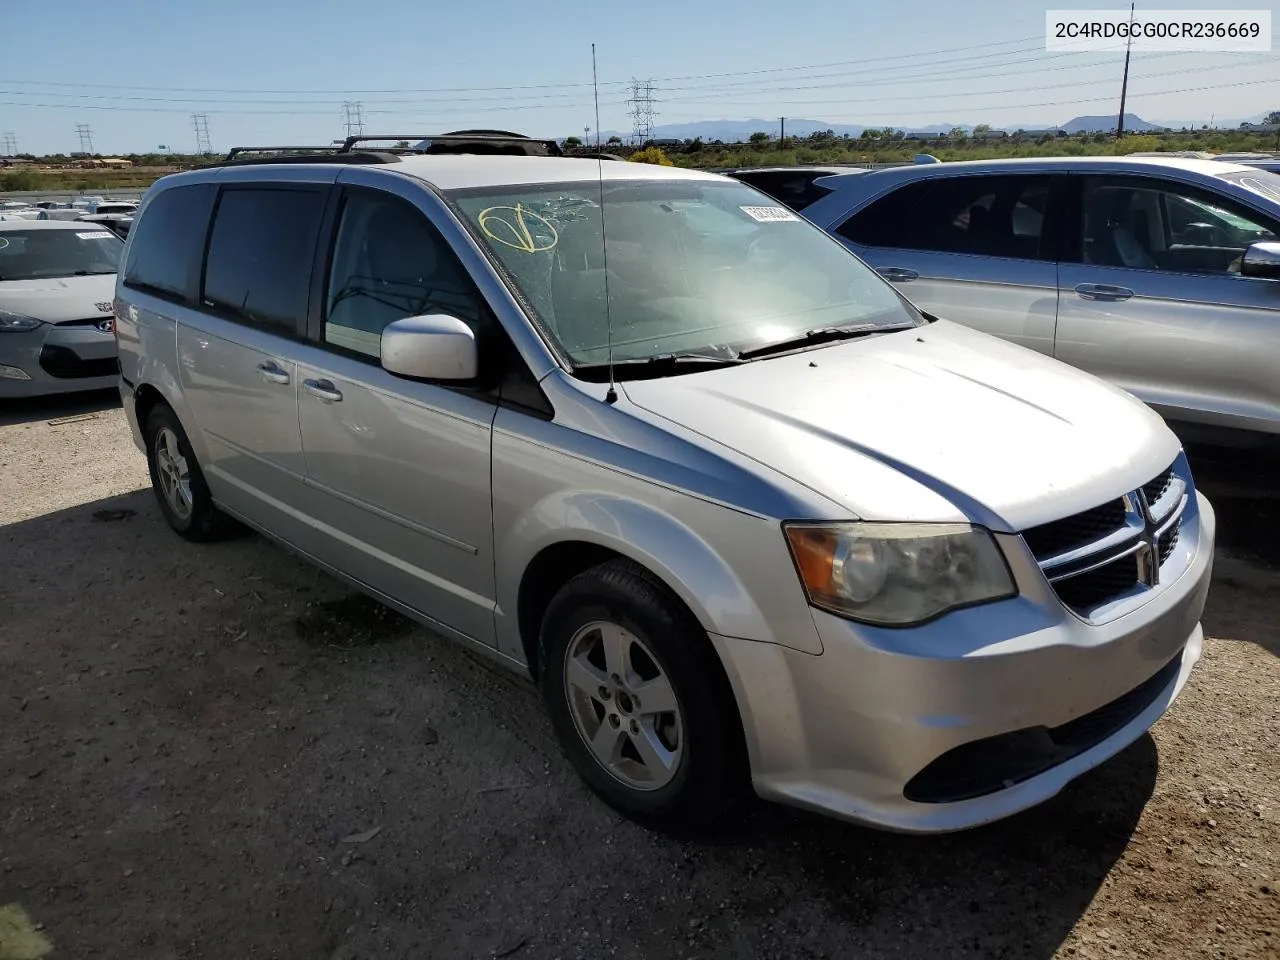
973,717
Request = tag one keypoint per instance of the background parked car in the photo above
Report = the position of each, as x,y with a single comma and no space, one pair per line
1161,275
797,187
57,281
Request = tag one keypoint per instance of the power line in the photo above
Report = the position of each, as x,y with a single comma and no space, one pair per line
981,93
915,57
85,133
200,123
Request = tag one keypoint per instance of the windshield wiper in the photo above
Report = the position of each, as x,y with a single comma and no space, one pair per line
821,335
639,368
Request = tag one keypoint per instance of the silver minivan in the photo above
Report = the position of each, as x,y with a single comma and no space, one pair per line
745,515
1161,275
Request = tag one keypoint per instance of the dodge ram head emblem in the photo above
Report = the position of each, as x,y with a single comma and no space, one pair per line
104,307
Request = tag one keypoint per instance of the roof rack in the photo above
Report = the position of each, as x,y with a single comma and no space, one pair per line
463,141
345,152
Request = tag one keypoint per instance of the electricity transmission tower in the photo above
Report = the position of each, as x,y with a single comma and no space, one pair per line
200,122
85,133
353,118
641,109
10,144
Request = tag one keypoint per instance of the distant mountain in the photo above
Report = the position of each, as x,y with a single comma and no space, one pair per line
1105,124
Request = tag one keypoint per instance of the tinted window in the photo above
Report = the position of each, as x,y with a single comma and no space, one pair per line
987,216
260,254
36,254
169,239
884,223
1150,225
389,263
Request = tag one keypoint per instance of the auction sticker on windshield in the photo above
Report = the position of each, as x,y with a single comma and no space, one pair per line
96,235
769,214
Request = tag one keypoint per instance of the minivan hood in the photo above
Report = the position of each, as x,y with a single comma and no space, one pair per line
59,299
936,423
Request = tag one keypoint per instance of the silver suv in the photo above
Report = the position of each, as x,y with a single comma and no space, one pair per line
744,514
1160,275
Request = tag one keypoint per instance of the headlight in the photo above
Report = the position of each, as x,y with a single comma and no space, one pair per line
16,322
895,574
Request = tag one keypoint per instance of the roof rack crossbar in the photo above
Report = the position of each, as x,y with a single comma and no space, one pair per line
237,151
460,137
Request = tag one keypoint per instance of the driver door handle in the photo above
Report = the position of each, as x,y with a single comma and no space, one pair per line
1103,291
898,274
323,390
272,372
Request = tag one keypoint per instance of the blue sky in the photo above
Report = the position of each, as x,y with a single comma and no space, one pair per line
277,71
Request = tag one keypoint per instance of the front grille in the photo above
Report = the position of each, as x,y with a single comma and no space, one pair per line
1157,487
994,763
1075,531
89,322
1098,586
1170,540
1108,540
63,363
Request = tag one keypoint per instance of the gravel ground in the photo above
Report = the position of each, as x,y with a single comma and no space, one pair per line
216,751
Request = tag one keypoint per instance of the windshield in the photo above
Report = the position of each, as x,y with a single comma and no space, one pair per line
36,254
1262,182
703,267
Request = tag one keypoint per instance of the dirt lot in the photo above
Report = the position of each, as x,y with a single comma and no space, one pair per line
197,745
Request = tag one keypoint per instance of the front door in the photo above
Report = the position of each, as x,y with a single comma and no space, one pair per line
972,249
1152,300
397,471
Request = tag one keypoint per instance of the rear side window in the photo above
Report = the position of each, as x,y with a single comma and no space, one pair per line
168,240
258,271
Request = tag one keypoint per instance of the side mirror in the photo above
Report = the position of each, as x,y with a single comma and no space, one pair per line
1261,260
434,346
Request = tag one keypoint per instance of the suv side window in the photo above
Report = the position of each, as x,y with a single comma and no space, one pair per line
389,263
1153,225
884,223
258,270
989,216
168,242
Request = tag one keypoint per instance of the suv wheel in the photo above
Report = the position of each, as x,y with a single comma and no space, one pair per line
638,700
178,483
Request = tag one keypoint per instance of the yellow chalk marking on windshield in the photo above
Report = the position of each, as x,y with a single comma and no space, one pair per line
19,939
510,226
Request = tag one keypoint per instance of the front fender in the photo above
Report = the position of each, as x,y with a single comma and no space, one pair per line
667,545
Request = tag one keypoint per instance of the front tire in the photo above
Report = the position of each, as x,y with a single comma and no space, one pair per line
638,699
178,482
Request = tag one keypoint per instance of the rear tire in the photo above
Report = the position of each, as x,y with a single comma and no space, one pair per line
639,700
178,482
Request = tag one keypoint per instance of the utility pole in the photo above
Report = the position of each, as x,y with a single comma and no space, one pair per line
1124,85
200,122
782,133
85,133
353,118
10,144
